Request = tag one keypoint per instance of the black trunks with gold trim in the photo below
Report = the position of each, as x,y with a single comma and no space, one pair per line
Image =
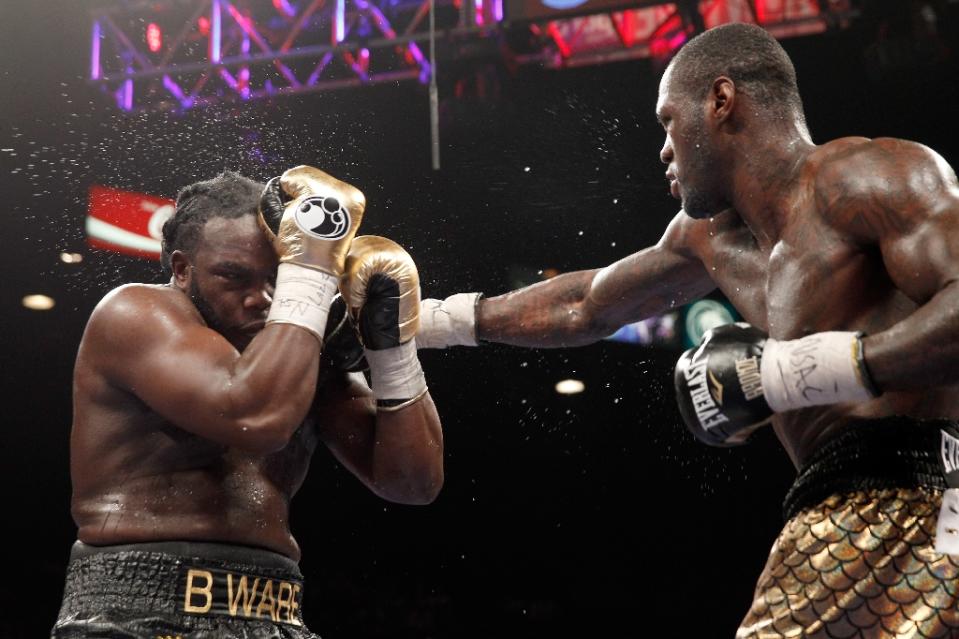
181,590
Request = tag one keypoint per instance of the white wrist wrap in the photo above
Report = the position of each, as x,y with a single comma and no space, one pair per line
449,322
822,368
302,297
396,372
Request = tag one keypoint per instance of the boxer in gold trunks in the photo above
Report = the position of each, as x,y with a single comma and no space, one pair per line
843,258
199,403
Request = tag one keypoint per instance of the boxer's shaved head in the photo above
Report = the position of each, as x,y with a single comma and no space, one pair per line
749,56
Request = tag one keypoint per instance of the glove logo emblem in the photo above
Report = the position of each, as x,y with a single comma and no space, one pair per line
715,388
747,370
704,403
323,217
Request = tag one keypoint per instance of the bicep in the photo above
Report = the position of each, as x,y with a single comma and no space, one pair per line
923,260
187,379
182,371
652,281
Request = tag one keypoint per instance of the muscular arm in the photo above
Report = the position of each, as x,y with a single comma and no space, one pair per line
145,341
904,198
398,455
585,306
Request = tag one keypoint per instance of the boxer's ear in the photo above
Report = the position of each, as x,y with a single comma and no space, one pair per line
722,97
180,266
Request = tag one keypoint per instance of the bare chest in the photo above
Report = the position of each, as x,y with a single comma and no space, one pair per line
811,280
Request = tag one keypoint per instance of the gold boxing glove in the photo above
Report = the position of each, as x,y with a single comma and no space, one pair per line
311,218
382,292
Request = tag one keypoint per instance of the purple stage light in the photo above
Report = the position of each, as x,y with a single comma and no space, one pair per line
95,51
216,29
339,25
284,7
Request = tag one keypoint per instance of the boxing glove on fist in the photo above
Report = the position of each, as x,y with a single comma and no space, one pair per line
342,350
737,378
310,218
382,291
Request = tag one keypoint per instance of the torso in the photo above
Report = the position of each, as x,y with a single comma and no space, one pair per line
138,478
812,279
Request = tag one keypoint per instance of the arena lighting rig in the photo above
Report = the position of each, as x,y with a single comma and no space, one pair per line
170,55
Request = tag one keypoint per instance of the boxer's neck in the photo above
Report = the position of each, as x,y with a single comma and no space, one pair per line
766,175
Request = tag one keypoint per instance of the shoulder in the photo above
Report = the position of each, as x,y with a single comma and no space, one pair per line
132,310
872,187
864,164
690,237
860,167
681,234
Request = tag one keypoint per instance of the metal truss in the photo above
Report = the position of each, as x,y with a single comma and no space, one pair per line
180,54
658,29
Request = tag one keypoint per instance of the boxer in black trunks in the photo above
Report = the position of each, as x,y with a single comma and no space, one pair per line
197,409
844,260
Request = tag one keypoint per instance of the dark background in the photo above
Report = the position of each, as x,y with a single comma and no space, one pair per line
561,516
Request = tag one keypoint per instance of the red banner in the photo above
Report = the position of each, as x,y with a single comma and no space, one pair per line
126,222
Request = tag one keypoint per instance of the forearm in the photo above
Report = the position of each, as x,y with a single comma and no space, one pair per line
199,382
405,451
267,392
270,386
554,313
920,351
585,306
407,454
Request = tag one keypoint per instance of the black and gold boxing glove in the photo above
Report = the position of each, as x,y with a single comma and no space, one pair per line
381,287
310,218
342,348
718,386
737,378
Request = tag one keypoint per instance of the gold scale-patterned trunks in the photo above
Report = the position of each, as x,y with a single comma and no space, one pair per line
860,563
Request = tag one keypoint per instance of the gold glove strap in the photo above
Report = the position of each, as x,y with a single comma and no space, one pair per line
393,405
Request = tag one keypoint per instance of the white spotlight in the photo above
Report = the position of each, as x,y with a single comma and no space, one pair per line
570,387
38,302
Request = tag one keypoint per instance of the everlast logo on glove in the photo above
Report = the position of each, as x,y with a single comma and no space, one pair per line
704,398
719,386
